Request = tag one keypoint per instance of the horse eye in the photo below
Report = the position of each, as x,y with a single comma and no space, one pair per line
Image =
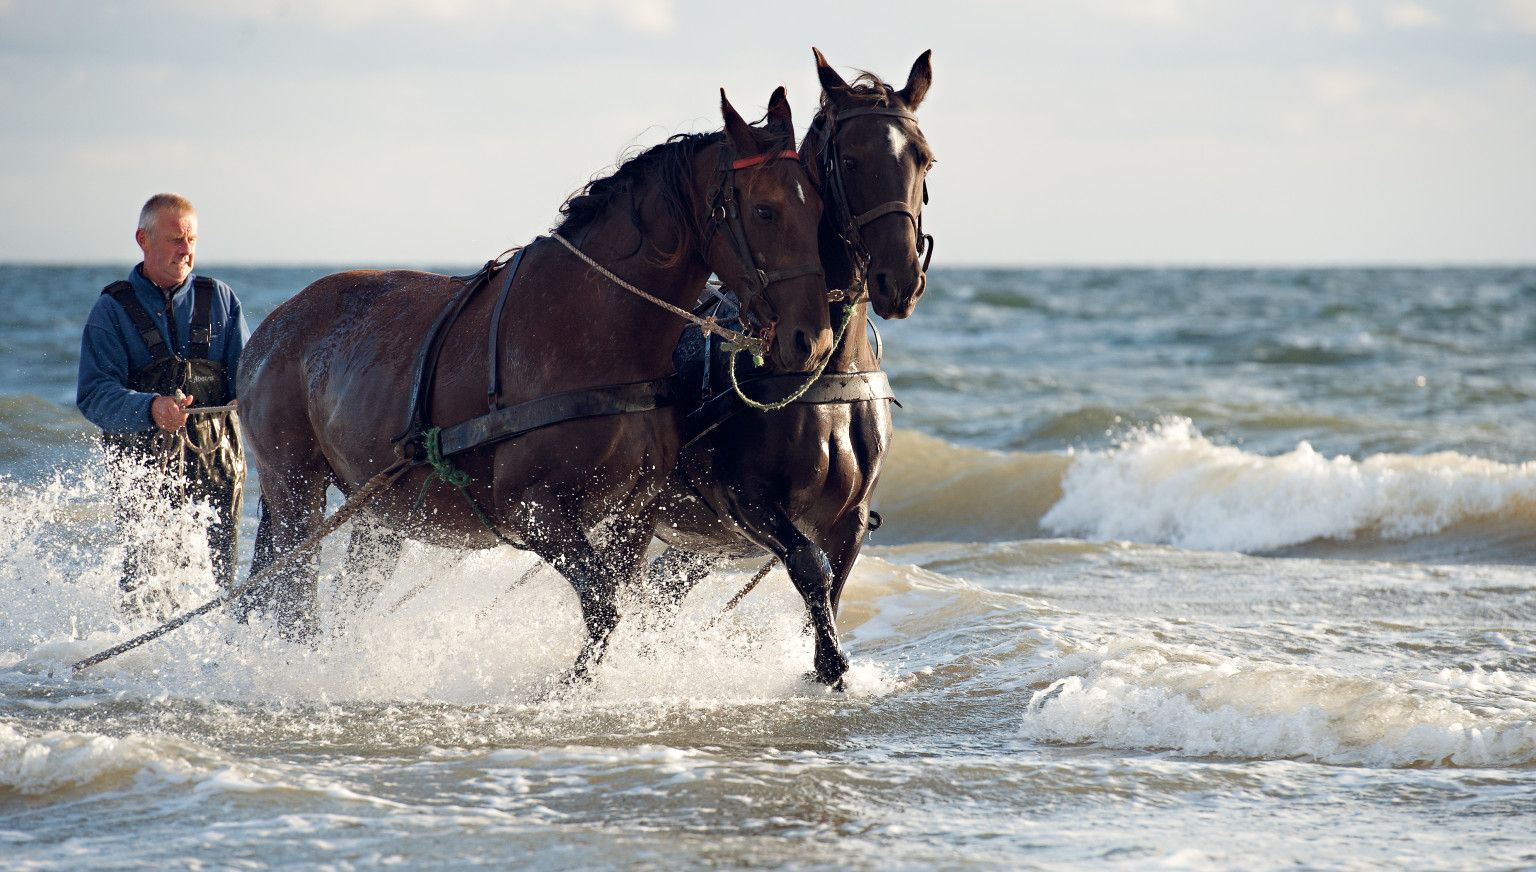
763,212
850,164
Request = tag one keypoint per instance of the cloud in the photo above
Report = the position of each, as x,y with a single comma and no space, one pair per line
1520,13
645,16
1341,86
1411,16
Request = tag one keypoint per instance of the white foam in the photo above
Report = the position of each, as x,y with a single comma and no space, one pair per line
447,627
1171,485
1142,695
59,760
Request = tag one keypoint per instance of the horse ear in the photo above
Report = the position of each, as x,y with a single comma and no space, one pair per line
778,111
831,82
918,81
736,130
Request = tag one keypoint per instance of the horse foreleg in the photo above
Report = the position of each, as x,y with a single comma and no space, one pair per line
596,575
673,575
811,573
843,543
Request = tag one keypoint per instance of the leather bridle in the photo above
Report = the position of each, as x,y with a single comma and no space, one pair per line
724,211
848,224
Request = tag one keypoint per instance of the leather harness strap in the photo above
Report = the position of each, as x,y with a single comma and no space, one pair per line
509,421
431,347
493,348
837,387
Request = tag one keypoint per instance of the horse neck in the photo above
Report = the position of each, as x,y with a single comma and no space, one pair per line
854,353
609,312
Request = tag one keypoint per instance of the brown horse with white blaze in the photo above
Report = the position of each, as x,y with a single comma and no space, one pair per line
797,481
325,380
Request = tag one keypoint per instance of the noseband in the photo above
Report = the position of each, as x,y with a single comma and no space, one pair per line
848,223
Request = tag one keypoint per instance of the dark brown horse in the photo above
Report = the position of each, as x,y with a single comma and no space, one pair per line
325,383
797,481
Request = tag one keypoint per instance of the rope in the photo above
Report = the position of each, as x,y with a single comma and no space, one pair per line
708,325
762,573
353,505
730,368
444,470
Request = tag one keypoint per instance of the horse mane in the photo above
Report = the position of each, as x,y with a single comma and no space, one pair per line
670,165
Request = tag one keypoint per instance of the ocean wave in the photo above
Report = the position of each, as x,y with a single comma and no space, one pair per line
1170,485
60,760
932,490
1153,697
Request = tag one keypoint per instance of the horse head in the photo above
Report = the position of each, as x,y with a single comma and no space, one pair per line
872,162
764,214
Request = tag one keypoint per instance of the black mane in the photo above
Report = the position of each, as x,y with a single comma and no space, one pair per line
669,166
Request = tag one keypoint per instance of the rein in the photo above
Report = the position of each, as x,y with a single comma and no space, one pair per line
737,339
723,210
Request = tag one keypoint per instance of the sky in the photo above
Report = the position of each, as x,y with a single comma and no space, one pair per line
1091,132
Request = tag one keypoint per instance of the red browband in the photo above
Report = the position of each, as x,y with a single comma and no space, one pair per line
745,162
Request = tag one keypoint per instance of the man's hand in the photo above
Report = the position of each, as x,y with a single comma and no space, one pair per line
170,413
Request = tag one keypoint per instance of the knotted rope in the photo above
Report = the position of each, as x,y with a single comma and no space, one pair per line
443,470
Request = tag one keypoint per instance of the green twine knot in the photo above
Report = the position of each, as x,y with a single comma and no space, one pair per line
442,468
734,348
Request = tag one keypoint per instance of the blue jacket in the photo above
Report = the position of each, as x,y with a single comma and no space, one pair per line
111,350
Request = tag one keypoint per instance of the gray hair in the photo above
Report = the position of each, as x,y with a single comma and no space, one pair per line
163,202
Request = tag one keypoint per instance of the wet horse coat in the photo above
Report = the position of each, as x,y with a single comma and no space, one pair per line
324,382
797,482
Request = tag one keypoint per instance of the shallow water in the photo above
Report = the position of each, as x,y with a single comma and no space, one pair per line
1180,568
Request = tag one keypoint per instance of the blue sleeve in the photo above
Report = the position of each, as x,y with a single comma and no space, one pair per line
235,335
102,393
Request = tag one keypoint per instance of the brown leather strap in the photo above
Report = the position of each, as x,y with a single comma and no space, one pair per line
493,351
511,421
834,387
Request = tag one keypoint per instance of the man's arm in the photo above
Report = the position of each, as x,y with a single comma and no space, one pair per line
102,393
235,335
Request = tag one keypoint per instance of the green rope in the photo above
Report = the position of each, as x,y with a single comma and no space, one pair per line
769,407
444,470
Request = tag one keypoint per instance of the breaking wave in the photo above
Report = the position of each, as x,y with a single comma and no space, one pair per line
1132,694
1170,485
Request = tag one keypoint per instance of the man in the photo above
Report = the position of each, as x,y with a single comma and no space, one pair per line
157,347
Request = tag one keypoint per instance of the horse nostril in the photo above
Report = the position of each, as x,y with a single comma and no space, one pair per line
802,343
882,282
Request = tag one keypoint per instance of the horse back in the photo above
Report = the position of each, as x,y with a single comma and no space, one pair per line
328,371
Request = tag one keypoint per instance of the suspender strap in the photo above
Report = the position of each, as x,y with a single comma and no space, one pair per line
200,331
143,322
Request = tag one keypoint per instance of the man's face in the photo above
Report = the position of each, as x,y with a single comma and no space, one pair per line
170,246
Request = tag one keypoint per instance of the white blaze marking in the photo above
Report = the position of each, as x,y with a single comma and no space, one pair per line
801,191
898,140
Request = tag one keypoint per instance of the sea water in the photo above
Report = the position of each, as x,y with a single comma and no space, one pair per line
1180,568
